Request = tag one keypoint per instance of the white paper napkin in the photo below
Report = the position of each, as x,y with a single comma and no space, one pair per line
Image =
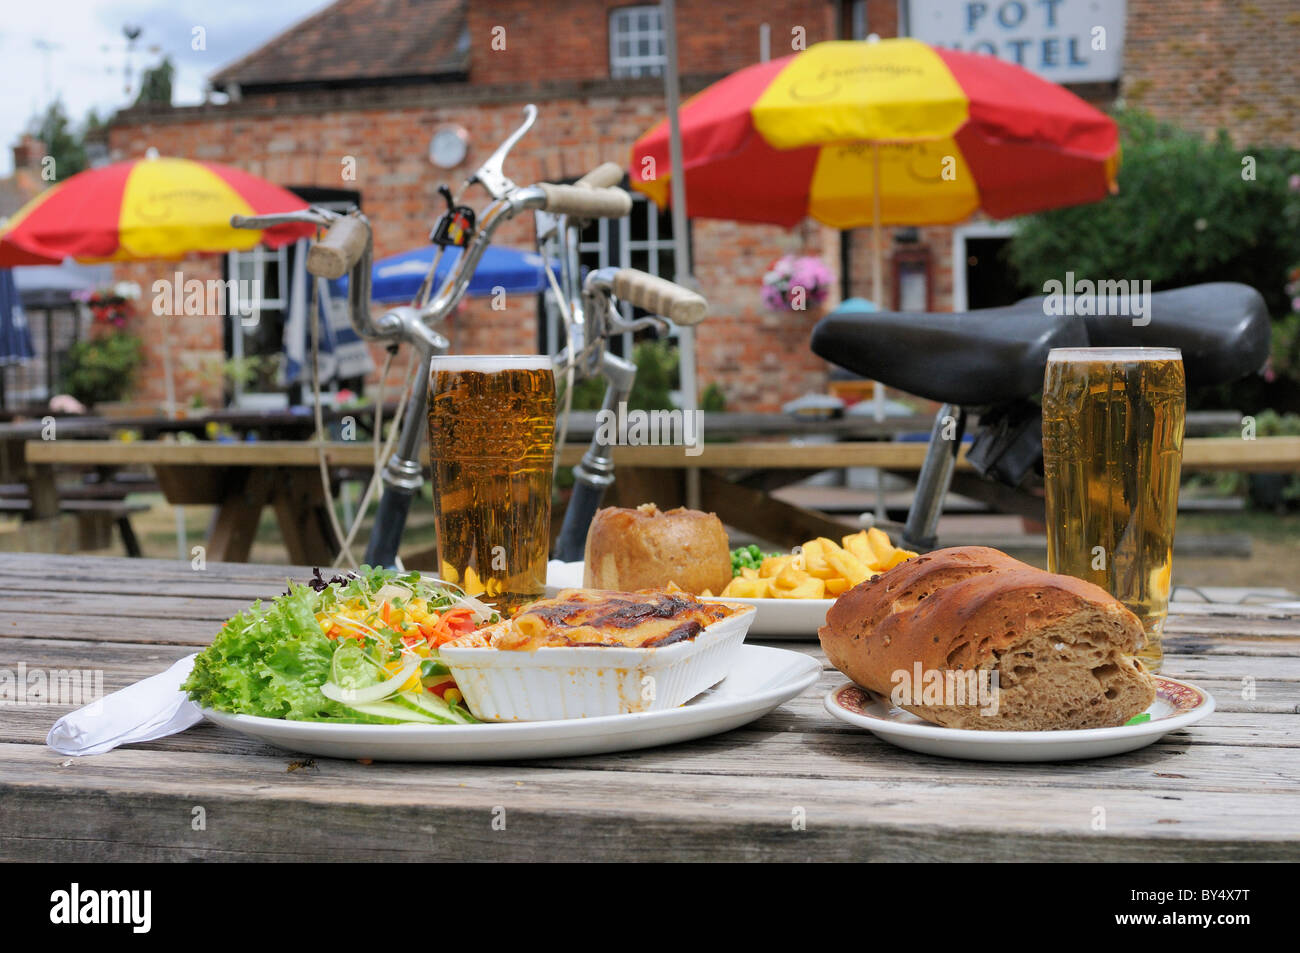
149,709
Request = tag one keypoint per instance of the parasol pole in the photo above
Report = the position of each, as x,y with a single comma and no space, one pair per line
681,248
169,408
877,295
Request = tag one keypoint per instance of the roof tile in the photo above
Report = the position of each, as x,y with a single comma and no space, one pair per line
359,40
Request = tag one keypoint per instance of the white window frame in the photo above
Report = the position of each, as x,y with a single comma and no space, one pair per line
654,245
624,26
260,258
858,26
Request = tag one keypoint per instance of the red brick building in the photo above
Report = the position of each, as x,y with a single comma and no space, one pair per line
371,80
364,84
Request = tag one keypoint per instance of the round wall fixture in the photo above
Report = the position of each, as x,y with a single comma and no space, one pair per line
449,146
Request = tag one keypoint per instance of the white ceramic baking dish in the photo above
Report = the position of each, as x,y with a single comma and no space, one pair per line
590,681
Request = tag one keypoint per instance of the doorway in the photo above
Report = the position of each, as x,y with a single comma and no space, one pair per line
982,275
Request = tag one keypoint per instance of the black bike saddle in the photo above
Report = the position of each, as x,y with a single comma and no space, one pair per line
978,357
1222,328
995,355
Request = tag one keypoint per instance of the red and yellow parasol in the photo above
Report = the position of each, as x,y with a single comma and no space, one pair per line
886,132
144,209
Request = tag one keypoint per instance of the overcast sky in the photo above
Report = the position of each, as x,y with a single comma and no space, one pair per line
86,57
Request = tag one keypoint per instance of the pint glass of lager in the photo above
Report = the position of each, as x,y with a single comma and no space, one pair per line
1112,450
492,445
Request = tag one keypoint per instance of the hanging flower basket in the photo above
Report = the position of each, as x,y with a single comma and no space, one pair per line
796,283
112,307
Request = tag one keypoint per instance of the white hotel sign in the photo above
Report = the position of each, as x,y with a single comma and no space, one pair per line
1066,41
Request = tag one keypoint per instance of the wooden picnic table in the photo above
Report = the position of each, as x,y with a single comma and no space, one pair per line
242,478
1225,789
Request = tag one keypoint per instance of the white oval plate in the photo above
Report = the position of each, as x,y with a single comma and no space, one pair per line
785,619
776,619
1177,705
761,679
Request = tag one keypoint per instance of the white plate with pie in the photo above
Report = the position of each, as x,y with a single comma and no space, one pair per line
1177,705
760,679
775,620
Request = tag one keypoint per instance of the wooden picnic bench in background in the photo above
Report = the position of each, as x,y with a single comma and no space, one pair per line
241,479
63,516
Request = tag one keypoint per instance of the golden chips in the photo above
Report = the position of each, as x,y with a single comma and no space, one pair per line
820,568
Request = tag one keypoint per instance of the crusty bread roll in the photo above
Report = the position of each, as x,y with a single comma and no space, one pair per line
645,548
1061,647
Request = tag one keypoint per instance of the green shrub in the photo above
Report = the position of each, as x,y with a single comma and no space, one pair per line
102,368
1187,212
656,376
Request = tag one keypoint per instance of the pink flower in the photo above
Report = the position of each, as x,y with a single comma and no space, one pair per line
66,404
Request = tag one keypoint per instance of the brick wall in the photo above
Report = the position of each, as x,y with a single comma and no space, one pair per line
569,39
1216,64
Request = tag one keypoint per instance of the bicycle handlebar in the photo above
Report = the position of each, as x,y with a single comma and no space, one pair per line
581,201
660,296
311,215
340,249
604,176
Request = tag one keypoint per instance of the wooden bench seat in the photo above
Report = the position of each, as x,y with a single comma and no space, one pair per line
91,514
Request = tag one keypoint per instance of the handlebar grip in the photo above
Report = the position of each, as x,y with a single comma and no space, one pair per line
604,176
581,201
660,296
341,248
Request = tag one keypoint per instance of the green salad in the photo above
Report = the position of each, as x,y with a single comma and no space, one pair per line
360,647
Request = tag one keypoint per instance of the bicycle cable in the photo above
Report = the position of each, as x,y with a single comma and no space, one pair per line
322,462
376,478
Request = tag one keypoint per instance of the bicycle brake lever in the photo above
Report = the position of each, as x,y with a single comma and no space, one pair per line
491,174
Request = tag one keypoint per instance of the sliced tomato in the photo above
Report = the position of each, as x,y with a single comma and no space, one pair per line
459,621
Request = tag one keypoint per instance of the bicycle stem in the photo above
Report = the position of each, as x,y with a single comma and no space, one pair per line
595,473
403,473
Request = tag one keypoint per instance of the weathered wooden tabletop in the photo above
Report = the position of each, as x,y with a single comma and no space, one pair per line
1226,789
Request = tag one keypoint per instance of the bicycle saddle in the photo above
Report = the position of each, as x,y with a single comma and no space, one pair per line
995,355
987,356
1222,328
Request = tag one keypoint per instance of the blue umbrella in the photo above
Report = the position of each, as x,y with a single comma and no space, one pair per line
15,339
398,277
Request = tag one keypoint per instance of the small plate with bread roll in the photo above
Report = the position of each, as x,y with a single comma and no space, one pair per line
648,548
968,653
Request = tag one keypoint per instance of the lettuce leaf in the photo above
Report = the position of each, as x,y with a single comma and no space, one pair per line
270,661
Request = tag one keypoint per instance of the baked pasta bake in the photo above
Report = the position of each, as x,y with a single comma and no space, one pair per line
592,617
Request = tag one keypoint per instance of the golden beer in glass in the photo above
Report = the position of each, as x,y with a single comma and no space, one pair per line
492,448
1112,451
